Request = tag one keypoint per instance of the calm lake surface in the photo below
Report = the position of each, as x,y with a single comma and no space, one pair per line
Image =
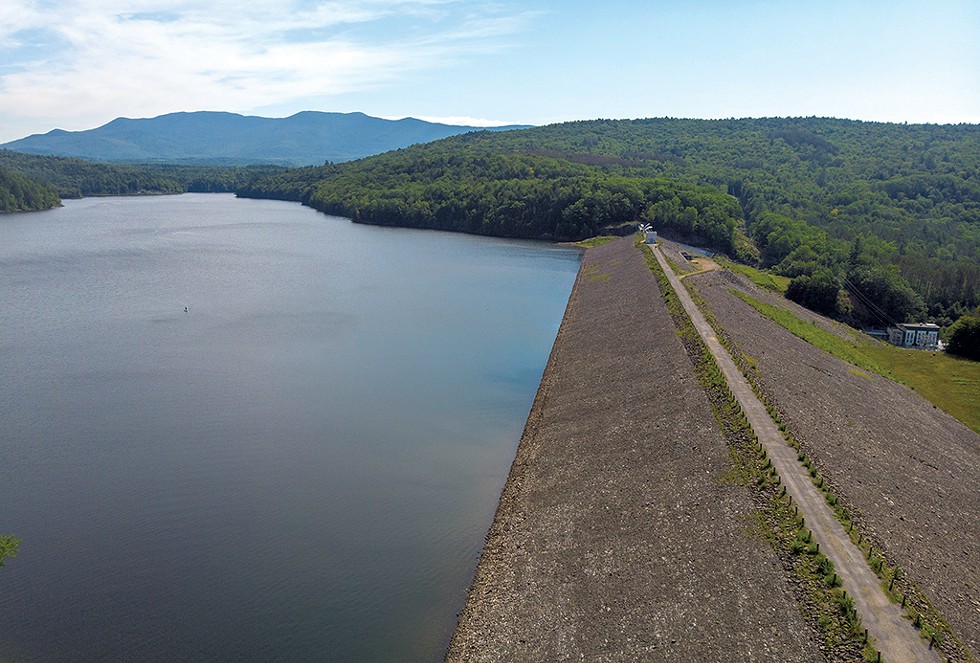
301,467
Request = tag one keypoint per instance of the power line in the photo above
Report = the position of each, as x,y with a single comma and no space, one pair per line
876,310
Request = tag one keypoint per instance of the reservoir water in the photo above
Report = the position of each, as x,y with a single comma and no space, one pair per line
299,467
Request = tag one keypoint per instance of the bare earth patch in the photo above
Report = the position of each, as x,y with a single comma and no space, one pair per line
911,471
702,264
616,537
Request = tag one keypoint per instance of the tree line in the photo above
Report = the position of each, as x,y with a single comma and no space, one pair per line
438,186
888,214
884,216
76,178
22,194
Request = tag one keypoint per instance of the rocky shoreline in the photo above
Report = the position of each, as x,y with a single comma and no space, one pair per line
617,536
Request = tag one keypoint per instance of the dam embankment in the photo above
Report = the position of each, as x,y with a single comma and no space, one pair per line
617,536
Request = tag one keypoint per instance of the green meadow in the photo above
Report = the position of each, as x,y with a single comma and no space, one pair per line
948,382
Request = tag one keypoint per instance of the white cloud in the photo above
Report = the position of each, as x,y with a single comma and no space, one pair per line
93,60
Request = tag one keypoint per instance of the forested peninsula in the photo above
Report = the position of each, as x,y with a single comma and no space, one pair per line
889,213
23,194
75,178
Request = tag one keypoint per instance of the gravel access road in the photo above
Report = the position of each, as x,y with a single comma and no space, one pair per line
908,472
896,638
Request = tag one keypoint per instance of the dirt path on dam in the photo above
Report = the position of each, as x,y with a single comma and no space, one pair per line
896,638
617,536
906,471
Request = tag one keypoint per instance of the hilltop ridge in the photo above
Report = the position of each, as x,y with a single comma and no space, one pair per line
221,138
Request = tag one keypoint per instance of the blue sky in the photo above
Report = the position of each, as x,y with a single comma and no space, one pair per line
77,64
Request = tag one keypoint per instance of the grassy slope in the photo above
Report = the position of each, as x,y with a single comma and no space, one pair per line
949,383
763,279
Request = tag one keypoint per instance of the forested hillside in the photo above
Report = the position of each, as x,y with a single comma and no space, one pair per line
890,212
444,187
20,194
74,178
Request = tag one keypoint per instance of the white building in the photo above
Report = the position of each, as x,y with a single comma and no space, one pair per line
924,335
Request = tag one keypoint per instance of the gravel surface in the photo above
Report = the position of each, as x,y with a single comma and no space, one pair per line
616,537
908,468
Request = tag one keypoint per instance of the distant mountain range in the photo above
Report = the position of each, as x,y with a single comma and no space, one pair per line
205,137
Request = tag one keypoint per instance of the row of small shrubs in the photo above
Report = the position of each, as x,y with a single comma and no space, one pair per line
898,586
824,602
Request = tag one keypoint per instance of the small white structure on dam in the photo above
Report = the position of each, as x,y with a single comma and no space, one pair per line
651,235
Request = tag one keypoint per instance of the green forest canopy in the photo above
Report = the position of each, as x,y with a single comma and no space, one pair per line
889,212
74,178
22,194
511,195
894,209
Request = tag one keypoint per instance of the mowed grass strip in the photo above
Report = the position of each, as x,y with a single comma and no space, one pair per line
596,241
766,280
950,383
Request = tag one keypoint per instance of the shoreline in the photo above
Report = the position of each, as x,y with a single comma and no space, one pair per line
615,536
